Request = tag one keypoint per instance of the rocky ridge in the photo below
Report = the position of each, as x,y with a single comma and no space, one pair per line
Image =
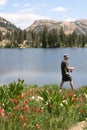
79,26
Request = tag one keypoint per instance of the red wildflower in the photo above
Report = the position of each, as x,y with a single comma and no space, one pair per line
1,110
71,94
25,102
79,105
81,111
27,107
22,109
11,100
21,96
10,115
81,99
33,109
16,101
39,111
75,99
17,107
37,126
2,114
72,106
21,118
30,92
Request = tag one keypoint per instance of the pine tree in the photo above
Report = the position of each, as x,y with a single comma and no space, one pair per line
62,37
44,38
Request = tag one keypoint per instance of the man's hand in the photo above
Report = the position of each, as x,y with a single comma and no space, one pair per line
72,68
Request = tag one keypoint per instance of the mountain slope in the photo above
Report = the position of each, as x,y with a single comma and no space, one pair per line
80,26
6,25
6,29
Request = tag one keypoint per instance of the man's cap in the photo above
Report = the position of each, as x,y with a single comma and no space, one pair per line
66,56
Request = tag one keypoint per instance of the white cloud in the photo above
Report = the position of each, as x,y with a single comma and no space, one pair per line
27,10
41,5
59,9
23,17
26,5
3,2
70,19
22,20
15,4
1,8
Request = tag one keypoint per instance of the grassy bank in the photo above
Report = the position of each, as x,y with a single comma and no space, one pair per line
26,107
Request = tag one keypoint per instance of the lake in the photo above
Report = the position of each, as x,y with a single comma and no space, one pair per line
42,66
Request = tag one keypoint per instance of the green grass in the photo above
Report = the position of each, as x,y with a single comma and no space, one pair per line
30,107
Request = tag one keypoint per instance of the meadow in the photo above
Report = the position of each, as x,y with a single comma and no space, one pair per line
31,107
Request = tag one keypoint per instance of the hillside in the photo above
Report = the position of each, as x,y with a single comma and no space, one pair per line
6,28
6,25
12,37
80,26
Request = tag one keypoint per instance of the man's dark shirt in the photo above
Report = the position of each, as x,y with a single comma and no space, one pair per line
64,65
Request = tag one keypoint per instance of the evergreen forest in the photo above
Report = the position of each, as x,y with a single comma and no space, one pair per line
42,39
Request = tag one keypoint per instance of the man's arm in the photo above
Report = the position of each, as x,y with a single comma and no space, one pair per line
70,68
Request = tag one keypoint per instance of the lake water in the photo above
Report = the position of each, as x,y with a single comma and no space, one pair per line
42,66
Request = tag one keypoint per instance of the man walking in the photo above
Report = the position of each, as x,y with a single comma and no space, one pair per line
65,69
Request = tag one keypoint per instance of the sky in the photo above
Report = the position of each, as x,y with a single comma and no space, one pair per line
23,13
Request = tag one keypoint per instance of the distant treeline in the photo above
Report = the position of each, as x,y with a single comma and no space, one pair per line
42,39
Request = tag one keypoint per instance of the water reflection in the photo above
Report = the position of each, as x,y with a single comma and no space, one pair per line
41,66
